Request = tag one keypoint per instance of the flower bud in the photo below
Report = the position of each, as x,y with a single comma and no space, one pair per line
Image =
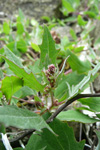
51,69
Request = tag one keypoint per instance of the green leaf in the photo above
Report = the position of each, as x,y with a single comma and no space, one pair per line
10,85
17,47
11,56
12,46
35,47
2,146
92,102
86,32
34,22
46,18
97,42
76,64
98,115
78,49
21,15
73,34
71,91
1,51
36,145
80,20
83,108
29,79
67,5
64,140
72,79
22,118
47,49
20,28
2,129
36,98
21,46
35,69
71,19
18,148
91,14
1,74
75,115
6,28
24,91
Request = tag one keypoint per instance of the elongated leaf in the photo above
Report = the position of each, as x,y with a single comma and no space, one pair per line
6,28
77,116
93,103
91,14
29,79
10,85
76,64
63,141
35,47
67,5
11,56
47,49
98,115
21,46
78,49
21,15
74,90
72,79
80,20
20,28
21,118
73,34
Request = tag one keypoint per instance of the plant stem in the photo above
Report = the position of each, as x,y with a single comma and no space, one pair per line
26,101
51,118
26,132
52,98
9,101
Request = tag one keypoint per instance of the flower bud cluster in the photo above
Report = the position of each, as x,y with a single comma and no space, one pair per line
50,72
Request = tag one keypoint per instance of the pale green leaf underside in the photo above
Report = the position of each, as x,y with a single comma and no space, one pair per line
21,118
11,56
